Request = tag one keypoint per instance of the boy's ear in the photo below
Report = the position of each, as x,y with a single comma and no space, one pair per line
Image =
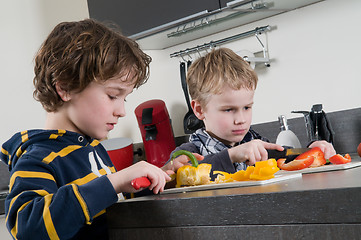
64,95
197,109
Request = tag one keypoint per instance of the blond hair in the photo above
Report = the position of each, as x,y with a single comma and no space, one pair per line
222,67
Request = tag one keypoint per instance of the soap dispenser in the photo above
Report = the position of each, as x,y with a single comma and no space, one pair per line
286,137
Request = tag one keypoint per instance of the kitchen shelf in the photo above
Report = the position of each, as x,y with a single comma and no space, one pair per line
236,13
256,32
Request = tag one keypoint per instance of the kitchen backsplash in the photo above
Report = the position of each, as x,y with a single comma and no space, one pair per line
346,125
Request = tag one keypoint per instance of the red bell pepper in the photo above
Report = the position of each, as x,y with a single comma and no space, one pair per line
339,159
296,164
319,157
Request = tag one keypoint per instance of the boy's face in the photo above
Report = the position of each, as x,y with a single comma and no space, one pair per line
94,111
228,115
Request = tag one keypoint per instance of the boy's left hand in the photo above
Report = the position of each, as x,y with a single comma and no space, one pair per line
179,162
326,147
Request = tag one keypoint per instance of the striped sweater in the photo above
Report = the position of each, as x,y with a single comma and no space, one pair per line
58,186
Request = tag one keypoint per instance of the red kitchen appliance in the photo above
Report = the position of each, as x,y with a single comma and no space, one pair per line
120,151
156,129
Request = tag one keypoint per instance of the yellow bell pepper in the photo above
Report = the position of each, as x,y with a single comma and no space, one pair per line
264,170
197,174
261,171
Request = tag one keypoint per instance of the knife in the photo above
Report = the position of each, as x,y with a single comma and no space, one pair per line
144,182
289,153
141,182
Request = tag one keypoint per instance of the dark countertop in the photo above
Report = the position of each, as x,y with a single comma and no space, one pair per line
317,205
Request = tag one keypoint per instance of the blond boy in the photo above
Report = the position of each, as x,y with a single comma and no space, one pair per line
222,87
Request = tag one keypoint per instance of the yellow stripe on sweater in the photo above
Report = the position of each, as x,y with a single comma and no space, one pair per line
60,133
14,230
24,136
4,151
39,192
27,174
100,213
19,152
112,169
82,203
90,177
94,143
49,225
84,180
61,153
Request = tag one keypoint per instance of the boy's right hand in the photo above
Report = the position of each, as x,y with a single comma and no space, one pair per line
121,180
252,152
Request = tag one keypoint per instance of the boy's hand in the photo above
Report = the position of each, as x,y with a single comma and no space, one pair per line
121,180
179,162
326,148
252,152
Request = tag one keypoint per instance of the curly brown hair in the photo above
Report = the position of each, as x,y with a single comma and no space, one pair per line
222,67
77,53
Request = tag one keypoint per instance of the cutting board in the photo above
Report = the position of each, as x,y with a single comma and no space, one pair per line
277,178
325,168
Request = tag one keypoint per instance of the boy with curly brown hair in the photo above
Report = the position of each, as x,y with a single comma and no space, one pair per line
62,178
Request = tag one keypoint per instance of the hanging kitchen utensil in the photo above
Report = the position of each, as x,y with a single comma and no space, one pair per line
190,122
317,124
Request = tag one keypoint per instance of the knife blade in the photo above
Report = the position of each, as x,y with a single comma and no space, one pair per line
289,153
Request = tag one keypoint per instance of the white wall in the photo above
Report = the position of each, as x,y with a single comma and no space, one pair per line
316,58
24,26
315,52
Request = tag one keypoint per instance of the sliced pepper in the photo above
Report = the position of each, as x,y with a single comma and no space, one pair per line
319,157
339,159
296,164
261,171
197,174
264,170
223,177
241,175
249,171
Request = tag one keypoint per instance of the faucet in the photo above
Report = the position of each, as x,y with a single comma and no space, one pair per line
308,124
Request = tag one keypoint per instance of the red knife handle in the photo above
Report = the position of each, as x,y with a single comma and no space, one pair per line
141,182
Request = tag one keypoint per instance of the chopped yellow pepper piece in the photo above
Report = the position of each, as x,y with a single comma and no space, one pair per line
223,177
264,170
261,171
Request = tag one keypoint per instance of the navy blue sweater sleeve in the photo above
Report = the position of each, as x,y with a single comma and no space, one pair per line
39,207
58,187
